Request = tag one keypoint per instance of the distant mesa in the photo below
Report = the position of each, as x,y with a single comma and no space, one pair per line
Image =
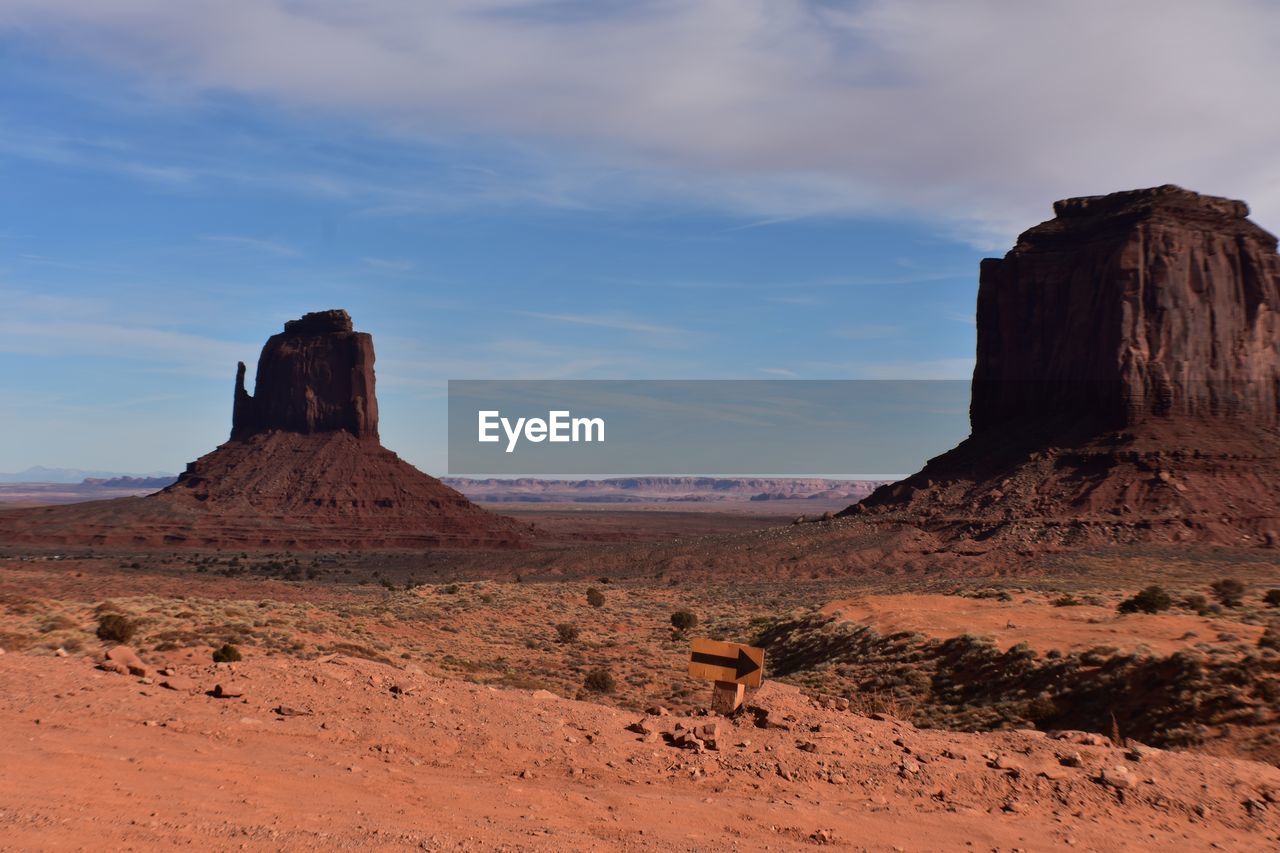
1126,383
303,469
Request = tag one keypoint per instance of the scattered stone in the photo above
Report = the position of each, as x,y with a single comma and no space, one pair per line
643,727
1072,759
178,682
60,652
220,691
287,711
1116,777
658,711
785,772
1082,738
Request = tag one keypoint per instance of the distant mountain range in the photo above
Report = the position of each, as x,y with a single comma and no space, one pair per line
65,485
75,476
661,489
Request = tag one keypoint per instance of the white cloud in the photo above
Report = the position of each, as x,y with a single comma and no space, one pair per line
975,115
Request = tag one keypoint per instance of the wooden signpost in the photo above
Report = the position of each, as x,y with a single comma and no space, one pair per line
732,666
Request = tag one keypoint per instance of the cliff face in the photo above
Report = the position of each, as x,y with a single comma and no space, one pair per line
1126,384
316,376
1151,303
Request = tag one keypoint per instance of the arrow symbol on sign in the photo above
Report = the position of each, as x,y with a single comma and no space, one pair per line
742,665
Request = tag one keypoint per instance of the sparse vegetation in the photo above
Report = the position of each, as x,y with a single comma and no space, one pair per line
595,597
684,620
226,654
1270,639
1152,599
1067,600
1272,598
116,628
1229,592
567,632
1198,603
600,681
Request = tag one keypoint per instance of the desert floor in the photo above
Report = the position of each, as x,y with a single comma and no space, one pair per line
413,700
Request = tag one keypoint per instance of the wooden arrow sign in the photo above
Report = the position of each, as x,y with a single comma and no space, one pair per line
730,662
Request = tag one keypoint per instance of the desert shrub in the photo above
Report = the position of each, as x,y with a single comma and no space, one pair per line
1153,599
451,589
227,654
683,620
1198,603
1067,600
1272,598
567,632
595,597
1270,639
600,681
115,628
1228,591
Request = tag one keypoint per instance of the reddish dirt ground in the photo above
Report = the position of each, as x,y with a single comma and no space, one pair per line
1033,620
346,753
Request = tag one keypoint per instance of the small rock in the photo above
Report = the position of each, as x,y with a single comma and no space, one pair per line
1082,738
1072,759
1116,777
60,652
642,727
222,692
178,682
785,772
287,711
658,711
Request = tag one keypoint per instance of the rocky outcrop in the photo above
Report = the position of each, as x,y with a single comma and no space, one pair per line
1152,303
1126,384
316,376
303,470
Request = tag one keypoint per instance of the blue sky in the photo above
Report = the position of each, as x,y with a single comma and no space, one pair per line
536,189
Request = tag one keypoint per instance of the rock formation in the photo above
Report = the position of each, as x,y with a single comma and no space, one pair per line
1151,303
1126,383
316,376
303,469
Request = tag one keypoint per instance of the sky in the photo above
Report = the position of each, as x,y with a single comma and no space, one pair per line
552,189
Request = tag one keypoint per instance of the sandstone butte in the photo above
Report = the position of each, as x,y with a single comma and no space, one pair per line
1125,388
303,468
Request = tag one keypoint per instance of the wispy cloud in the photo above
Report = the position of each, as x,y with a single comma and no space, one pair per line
257,244
617,322
770,109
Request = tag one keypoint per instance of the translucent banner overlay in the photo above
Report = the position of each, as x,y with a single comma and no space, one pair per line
870,429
